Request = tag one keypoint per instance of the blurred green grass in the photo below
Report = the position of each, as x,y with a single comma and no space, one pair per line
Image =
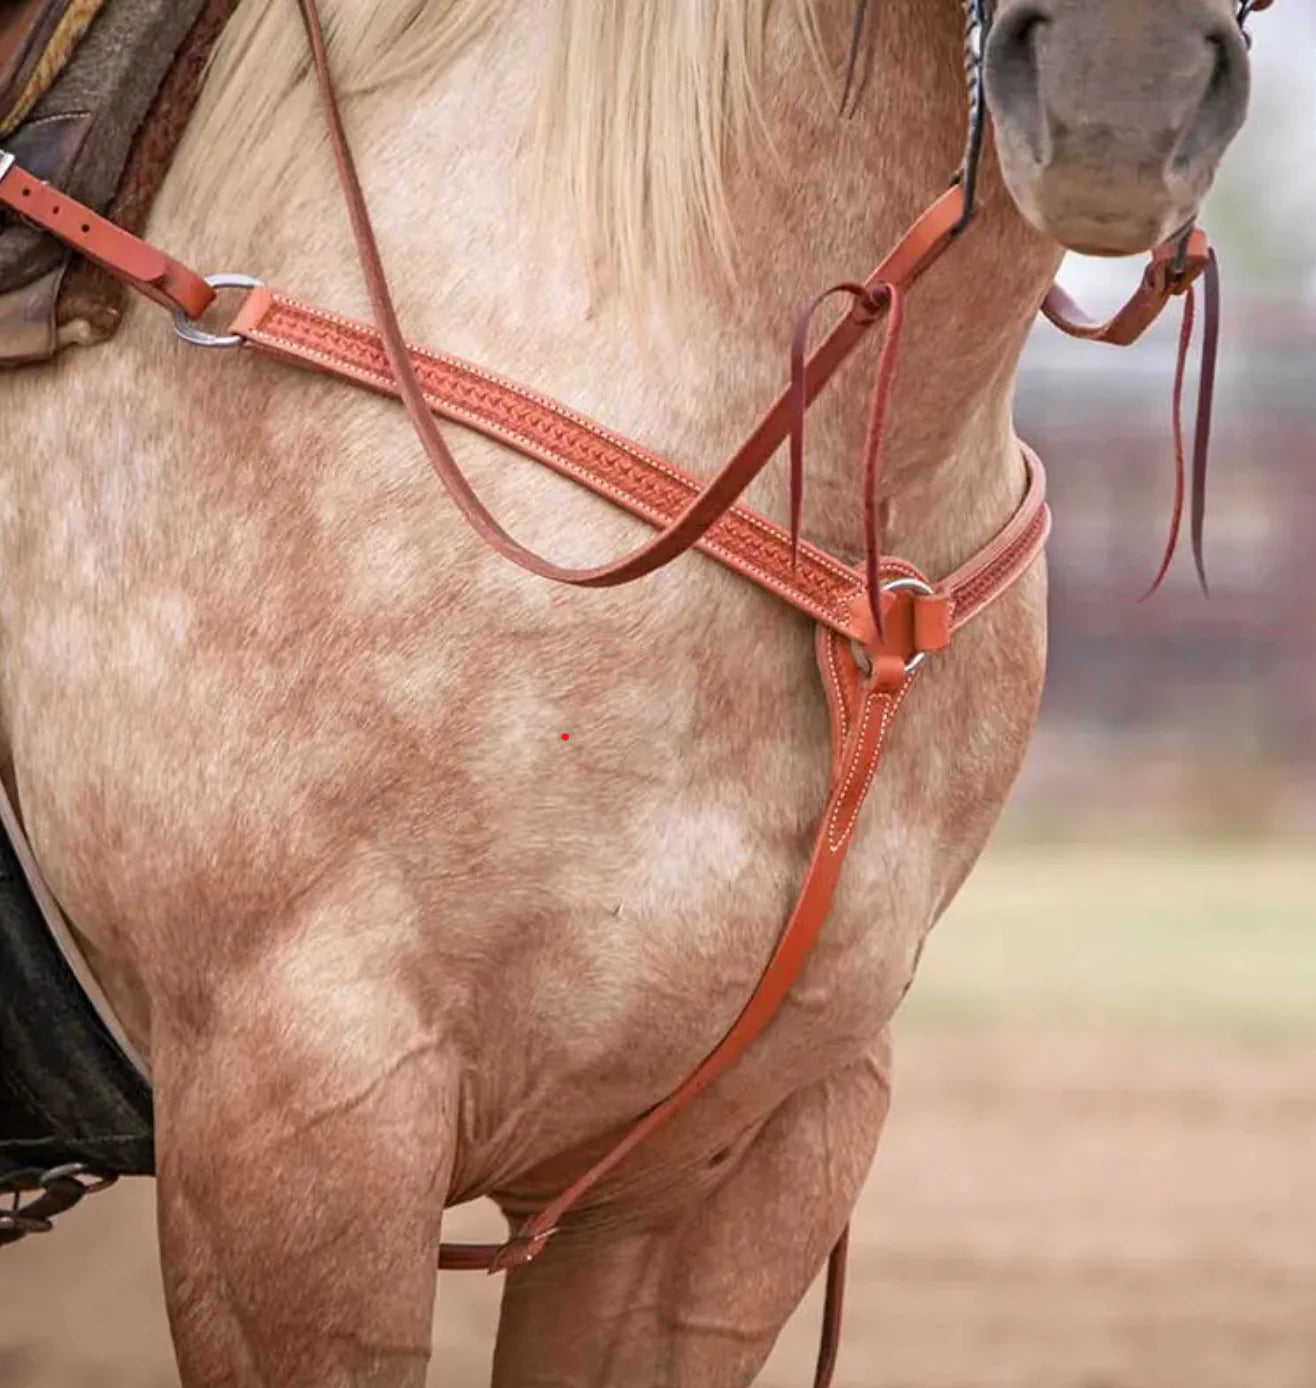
1198,939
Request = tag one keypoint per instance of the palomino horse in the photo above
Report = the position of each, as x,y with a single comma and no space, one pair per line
416,878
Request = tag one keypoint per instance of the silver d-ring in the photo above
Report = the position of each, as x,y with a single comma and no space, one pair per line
186,327
924,590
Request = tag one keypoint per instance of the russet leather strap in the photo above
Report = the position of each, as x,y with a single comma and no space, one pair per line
1173,270
641,481
862,704
884,297
829,1340
139,264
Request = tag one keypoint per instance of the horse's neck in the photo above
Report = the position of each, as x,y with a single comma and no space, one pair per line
481,271
953,472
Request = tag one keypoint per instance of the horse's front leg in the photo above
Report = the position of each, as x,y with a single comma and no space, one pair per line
699,1302
304,1146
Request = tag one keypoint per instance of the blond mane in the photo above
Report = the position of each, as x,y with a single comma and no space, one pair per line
644,107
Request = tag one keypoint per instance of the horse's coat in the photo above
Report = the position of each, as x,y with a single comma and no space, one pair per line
288,742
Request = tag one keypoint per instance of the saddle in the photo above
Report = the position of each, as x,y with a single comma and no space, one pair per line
94,98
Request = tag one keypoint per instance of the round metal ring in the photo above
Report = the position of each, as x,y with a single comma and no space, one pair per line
924,590
186,327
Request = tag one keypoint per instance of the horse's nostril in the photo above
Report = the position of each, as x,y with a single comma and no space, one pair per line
1014,75
1025,25
1224,105
1222,65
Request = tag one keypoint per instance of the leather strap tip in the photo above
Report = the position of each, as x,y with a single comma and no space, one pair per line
889,673
520,1250
194,298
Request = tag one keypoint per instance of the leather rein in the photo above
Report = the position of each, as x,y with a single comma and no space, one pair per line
876,624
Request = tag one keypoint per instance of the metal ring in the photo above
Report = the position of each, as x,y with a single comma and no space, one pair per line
186,327
924,590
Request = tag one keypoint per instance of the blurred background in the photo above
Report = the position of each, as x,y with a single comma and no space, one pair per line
1100,1170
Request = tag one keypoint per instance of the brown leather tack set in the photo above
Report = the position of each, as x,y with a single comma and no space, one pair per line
94,97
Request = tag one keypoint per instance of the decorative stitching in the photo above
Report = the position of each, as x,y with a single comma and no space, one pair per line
891,706
842,712
980,588
611,465
823,587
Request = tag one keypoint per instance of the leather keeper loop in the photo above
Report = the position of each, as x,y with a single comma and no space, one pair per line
889,672
931,623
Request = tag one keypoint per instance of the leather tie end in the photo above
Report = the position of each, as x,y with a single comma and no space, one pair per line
519,1250
889,672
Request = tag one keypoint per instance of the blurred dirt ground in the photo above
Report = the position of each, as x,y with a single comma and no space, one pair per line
1123,1200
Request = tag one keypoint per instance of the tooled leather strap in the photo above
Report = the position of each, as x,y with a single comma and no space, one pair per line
862,706
610,464
1174,268
143,266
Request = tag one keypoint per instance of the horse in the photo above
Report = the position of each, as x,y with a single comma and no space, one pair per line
415,878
